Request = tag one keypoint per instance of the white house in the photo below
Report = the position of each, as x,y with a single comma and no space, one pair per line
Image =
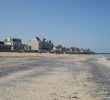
15,43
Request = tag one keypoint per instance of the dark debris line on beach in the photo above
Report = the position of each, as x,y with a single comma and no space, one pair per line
101,77
97,74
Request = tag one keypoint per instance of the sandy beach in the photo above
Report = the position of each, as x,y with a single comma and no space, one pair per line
33,76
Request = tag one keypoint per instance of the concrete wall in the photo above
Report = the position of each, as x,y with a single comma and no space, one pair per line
35,44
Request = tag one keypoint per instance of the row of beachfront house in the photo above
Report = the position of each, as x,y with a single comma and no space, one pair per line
12,44
71,50
38,45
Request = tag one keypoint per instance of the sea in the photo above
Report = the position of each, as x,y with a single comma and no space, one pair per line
106,55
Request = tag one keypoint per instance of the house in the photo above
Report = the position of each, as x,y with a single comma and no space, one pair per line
35,44
15,43
25,47
74,50
44,45
58,49
1,42
82,51
85,51
4,48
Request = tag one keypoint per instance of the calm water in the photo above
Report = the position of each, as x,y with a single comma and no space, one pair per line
106,55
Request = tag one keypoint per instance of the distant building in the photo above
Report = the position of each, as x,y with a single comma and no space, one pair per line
1,42
85,51
25,47
4,47
35,44
41,45
15,43
58,49
82,51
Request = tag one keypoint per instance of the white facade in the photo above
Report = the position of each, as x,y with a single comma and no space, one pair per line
15,43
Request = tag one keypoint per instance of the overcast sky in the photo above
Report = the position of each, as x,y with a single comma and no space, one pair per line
79,23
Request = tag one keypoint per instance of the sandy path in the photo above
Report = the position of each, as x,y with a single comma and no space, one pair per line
56,77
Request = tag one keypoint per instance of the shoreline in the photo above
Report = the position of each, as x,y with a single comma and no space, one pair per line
33,54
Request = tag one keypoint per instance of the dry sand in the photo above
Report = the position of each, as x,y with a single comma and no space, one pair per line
33,76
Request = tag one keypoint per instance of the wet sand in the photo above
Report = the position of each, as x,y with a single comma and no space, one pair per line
32,76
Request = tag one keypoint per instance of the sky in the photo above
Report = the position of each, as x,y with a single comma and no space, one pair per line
77,23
